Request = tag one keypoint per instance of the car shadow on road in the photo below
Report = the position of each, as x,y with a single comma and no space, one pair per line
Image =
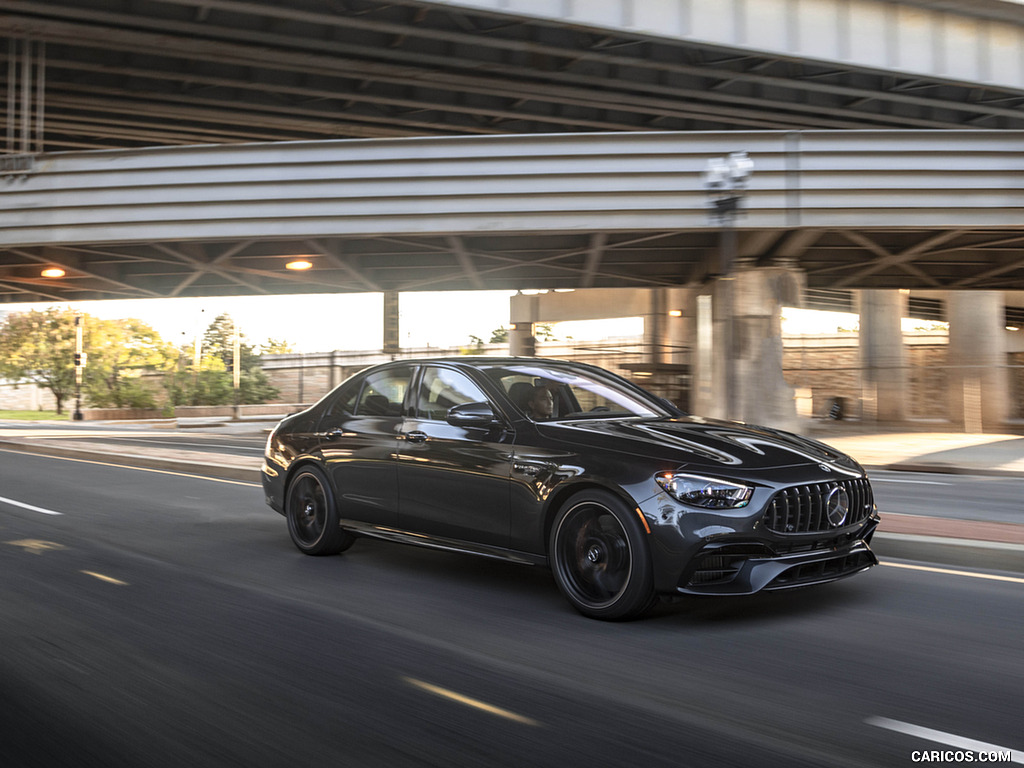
763,607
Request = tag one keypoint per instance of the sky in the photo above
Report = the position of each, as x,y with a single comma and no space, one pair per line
324,322
315,322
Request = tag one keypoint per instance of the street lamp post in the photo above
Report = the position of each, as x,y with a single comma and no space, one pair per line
236,368
79,364
726,182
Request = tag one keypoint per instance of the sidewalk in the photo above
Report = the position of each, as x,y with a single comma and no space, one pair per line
946,539
948,452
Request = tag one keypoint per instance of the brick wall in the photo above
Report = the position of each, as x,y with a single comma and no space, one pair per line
830,367
827,366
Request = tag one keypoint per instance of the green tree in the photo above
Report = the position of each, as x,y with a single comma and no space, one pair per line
499,335
544,332
39,347
276,347
213,383
120,351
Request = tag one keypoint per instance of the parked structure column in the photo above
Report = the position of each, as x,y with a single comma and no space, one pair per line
978,379
883,356
525,311
752,336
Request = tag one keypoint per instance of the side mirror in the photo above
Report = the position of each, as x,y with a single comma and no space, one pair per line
472,415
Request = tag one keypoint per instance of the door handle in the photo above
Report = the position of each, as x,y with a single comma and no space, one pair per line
336,433
415,436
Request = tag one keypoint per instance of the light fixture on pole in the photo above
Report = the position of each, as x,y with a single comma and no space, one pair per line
725,181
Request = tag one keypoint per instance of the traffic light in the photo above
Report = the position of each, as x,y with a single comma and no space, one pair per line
79,359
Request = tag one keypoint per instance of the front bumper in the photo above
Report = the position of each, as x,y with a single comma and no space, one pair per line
732,567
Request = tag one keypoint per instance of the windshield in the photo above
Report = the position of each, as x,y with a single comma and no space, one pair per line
545,394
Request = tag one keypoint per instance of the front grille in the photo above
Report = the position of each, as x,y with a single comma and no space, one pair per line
825,570
804,508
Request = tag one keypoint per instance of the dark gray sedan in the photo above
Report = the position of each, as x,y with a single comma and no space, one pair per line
565,465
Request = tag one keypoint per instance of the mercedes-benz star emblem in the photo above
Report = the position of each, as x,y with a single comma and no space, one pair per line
837,506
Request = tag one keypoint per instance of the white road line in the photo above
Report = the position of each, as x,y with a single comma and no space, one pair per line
911,482
951,572
941,737
137,469
23,505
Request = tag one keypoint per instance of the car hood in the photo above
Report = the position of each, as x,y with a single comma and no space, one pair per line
694,441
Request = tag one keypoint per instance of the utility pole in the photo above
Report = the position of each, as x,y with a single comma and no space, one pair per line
236,368
79,365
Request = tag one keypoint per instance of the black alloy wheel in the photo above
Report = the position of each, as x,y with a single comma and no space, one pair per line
312,515
600,557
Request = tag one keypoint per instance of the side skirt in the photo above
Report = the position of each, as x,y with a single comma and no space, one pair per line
437,542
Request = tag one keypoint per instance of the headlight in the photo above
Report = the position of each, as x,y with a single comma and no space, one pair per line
705,492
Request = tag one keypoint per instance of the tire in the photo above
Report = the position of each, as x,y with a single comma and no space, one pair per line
600,557
312,515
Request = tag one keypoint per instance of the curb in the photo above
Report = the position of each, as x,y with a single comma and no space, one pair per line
947,469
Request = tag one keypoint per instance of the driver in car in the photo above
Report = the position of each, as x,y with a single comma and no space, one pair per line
541,404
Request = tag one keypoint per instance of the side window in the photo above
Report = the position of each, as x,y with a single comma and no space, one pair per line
384,392
344,402
441,388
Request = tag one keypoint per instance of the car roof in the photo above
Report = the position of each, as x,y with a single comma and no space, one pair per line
479,360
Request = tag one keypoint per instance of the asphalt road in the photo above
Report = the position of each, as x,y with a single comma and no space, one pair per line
966,497
164,620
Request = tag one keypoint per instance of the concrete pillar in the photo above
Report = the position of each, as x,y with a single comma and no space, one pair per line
392,339
656,327
883,355
523,314
738,346
762,394
979,388
681,315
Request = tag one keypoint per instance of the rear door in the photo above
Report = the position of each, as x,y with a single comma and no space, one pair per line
359,439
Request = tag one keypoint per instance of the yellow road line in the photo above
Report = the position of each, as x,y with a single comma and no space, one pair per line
138,469
37,546
466,700
930,569
108,579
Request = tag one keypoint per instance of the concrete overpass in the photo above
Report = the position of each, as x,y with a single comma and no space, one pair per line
493,185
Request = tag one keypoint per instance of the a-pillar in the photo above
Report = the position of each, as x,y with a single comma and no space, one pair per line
978,380
883,355
738,370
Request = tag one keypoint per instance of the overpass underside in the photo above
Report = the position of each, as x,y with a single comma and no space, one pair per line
877,209
832,260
